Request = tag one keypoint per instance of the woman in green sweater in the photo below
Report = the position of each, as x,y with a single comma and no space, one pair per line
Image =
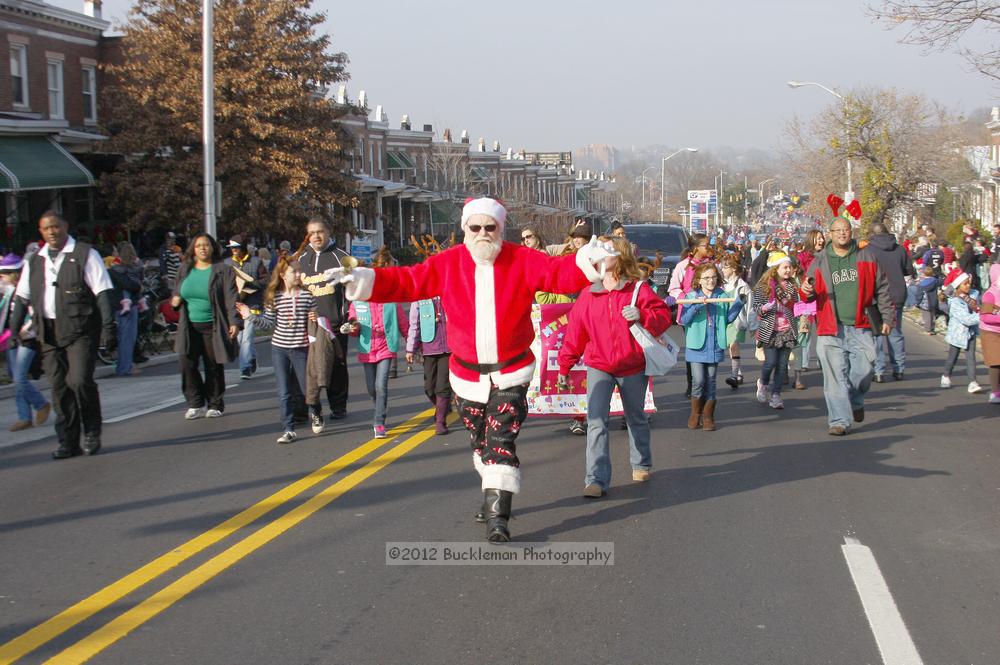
205,294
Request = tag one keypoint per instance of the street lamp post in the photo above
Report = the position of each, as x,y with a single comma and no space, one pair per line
663,172
760,194
208,113
849,194
644,185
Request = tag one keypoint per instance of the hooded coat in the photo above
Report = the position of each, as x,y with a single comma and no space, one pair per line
895,263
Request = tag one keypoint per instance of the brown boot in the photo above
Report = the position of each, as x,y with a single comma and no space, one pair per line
695,418
708,419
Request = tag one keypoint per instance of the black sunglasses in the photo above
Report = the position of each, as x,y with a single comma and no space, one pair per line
527,237
475,228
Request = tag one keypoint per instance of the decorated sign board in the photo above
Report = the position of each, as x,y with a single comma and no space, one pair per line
702,204
544,399
361,249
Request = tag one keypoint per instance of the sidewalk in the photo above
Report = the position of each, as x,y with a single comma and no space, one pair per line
121,397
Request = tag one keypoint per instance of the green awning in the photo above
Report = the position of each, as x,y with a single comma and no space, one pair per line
38,162
399,160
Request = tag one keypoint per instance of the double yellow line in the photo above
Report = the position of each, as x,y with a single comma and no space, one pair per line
121,626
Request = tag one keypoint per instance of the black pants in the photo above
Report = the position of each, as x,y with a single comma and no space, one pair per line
437,382
200,391
337,388
494,426
70,371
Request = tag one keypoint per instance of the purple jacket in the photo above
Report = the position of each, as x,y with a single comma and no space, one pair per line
437,346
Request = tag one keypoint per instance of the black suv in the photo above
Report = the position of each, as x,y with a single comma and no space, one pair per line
669,239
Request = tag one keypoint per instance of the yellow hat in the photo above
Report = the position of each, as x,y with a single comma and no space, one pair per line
777,258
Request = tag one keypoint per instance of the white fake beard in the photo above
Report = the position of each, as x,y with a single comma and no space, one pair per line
484,249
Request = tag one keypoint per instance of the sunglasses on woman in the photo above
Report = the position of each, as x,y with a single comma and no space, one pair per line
475,228
527,237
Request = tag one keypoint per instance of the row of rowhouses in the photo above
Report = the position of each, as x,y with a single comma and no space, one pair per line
414,181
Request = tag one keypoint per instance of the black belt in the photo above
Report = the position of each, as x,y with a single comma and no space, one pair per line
487,368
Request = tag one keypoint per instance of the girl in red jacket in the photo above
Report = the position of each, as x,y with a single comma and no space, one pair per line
599,330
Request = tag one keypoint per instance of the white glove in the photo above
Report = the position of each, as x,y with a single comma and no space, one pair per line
591,254
358,283
630,313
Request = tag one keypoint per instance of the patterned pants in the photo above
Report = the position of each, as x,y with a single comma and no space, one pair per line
494,427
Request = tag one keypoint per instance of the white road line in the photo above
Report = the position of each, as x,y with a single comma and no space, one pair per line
893,639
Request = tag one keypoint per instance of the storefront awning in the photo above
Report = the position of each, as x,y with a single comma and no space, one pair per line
38,162
399,160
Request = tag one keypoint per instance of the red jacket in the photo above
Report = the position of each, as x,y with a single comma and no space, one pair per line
598,330
873,288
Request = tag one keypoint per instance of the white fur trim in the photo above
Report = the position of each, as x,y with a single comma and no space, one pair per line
486,316
485,206
498,476
361,284
959,280
583,261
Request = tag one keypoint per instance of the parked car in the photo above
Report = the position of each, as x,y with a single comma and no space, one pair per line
668,239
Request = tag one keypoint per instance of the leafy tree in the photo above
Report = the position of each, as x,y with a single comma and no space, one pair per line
896,141
280,153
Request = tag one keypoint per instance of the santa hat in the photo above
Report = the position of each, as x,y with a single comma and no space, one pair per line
777,258
955,278
485,206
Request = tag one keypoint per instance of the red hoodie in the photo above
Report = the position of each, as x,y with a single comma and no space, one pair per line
598,330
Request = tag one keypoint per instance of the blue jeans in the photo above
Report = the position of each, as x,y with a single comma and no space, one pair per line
26,395
248,353
775,360
897,347
847,359
285,362
128,328
600,385
377,378
703,380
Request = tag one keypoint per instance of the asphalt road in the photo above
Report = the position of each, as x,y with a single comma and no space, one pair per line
767,541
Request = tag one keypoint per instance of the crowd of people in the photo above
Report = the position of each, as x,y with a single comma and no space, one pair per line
466,311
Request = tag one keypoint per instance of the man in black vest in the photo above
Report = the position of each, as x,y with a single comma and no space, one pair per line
70,289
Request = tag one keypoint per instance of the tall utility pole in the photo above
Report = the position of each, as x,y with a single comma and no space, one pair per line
849,194
663,163
208,112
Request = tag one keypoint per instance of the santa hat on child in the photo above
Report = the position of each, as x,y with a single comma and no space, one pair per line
955,278
485,206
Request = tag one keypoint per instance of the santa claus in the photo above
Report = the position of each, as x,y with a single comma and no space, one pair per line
486,287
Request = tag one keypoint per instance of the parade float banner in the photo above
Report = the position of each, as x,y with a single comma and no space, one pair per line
544,399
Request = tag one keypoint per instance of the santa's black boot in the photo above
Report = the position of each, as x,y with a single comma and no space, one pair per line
497,514
481,515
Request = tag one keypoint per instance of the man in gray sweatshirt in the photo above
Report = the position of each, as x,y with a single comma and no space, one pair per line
897,265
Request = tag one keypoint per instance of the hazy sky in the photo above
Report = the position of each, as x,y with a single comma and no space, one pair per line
555,74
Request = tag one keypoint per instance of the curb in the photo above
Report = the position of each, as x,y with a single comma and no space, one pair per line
104,371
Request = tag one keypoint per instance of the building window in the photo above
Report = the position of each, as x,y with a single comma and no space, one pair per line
19,74
55,75
89,94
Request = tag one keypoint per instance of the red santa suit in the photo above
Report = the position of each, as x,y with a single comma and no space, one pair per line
488,307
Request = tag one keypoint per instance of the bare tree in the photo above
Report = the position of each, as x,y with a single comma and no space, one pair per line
940,25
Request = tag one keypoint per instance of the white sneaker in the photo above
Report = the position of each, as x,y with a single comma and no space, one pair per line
192,414
288,437
213,413
975,388
761,392
945,381
776,402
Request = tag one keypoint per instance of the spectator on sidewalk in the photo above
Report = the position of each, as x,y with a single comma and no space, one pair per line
989,326
851,293
897,266
251,294
22,347
70,329
934,257
205,295
126,276
170,260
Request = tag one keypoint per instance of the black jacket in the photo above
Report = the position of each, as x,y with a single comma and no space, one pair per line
330,300
895,263
222,294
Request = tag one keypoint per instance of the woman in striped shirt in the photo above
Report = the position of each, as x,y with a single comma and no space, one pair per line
288,307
